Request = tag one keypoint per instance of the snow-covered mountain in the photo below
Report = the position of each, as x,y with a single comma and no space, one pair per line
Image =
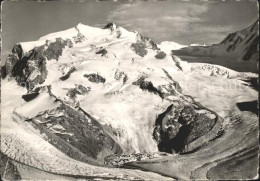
78,96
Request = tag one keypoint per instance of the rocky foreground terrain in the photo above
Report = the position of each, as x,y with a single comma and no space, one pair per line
110,104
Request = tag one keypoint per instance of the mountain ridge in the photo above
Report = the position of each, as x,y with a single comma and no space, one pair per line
242,45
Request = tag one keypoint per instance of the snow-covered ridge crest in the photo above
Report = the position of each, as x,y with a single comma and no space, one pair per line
168,46
66,34
89,32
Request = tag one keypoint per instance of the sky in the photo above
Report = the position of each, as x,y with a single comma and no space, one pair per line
184,22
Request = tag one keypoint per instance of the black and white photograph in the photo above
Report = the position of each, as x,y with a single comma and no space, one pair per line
129,90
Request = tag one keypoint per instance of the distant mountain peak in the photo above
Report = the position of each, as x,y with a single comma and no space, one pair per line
240,45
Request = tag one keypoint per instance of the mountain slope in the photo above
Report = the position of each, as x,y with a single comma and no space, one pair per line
240,47
81,95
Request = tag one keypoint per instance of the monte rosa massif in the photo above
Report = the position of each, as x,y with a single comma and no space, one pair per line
107,103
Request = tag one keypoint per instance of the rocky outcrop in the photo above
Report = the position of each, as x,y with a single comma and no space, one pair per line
252,49
147,85
54,49
147,42
139,48
29,68
173,88
110,26
82,135
142,44
248,37
78,90
79,38
12,59
95,78
30,96
102,52
67,74
114,29
180,125
160,55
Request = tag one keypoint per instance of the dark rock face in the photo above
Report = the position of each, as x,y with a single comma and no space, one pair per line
163,90
249,39
180,125
30,96
234,45
70,129
142,44
113,28
177,63
187,115
17,54
145,85
252,49
3,72
95,78
54,50
160,55
139,48
228,38
239,45
109,26
147,42
12,59
18,51
67,75
30,68
78,90
102,52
